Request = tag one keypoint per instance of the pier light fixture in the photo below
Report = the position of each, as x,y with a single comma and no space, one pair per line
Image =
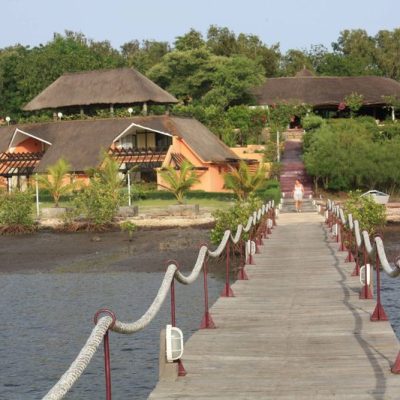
60,115
365,273
174,343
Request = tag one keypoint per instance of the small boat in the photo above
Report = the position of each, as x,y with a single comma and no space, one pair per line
379,197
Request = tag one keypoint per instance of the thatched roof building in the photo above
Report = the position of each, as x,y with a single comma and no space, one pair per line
324,91
121,86
81,142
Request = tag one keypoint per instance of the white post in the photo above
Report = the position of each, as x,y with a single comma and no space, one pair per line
278,156
37,196
129,188
393,114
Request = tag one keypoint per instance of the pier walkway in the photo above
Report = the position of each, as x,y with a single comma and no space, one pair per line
295,330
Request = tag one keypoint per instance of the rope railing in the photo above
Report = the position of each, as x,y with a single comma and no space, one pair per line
362,250
258,226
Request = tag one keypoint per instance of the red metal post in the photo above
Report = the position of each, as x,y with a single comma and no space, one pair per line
265,229
107,367
396,366
379,312
256,239
365,293
106,345
337,231
181,368
242,276
173,314
350,256
342,238
227,291
207,321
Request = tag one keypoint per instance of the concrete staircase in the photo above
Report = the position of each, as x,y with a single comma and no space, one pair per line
288,205
293,168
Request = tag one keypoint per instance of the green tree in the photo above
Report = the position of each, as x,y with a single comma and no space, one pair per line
179,182
354,101
189,41
54,180
221,41
142,56
294,61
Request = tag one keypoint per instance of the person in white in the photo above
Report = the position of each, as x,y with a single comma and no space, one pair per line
298,193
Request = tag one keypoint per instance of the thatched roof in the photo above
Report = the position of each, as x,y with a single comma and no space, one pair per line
325,91
114,86
81,142
304,72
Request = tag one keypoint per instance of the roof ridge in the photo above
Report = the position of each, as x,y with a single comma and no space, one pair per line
97,71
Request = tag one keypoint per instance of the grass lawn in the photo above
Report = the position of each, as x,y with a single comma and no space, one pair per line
209,204
160,203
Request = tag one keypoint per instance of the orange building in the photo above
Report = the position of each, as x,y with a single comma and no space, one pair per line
148,143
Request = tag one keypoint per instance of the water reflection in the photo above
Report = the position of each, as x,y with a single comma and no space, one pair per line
48,317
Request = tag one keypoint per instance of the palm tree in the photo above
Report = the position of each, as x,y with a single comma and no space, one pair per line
179,182
243,182
55,180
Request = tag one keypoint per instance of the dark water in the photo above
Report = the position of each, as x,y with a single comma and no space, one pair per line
46,319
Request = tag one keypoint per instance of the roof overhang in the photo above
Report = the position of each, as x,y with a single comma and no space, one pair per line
19,132
146,128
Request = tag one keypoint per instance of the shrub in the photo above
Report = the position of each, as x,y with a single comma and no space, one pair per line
233,216
16,212
390,131
130,227
99,201
370,215
271,193
312,122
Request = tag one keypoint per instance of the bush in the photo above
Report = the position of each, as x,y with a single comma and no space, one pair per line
233,216
16,212
312,122
272,193
97,203
390,131
370,215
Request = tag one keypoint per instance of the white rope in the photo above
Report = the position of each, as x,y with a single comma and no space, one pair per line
67,380
61,388
367,242
363,238
391,271
148,316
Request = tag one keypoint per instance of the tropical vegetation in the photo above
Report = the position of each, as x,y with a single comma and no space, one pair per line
55,180
179,181
344,154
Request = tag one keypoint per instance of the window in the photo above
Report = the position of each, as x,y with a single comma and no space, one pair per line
128,141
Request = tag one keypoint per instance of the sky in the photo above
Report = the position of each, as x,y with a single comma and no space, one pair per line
291,23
